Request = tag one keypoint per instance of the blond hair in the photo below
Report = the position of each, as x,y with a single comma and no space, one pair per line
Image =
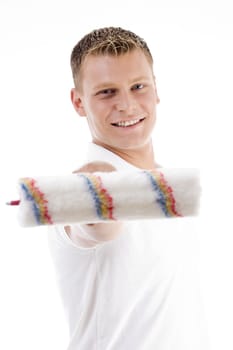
112,41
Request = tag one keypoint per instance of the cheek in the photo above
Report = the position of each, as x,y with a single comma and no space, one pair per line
152,101
149,97
96,117
97,108
149,103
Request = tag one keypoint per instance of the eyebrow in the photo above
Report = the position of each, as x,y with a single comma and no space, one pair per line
108,84
103,86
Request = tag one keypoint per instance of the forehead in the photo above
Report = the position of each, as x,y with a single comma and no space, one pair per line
101,68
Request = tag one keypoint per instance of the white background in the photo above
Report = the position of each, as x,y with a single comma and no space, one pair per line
40,134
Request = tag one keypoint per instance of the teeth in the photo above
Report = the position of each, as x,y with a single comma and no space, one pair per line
128,122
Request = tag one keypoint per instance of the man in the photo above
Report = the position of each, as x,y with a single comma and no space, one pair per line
125,285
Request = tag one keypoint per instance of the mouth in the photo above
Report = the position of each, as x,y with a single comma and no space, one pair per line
128,123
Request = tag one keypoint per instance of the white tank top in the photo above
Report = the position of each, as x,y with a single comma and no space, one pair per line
139,291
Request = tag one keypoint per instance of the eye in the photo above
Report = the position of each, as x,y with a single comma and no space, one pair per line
106,92
138,87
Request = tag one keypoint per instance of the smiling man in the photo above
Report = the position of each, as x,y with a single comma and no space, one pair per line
125,285
117,94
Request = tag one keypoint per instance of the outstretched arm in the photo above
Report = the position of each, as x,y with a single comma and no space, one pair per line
94,233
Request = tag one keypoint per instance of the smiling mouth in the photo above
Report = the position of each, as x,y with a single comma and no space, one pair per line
128,123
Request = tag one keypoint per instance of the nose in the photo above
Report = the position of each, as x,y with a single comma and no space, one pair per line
125,102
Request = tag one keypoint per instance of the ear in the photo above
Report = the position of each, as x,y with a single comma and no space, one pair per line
76,100
157,96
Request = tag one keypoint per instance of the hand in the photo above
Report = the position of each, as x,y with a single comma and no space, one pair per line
98,232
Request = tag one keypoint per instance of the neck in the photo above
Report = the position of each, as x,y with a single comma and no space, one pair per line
142,158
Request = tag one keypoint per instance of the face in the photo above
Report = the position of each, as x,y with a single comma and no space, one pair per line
118,97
